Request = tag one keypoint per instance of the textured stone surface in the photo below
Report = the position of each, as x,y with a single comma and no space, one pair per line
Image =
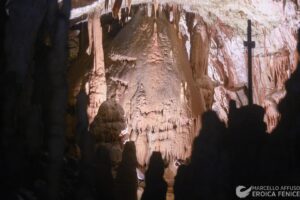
167,73
96,85
149,75
109,122
222,28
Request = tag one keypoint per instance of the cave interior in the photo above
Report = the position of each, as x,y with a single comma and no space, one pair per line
148,99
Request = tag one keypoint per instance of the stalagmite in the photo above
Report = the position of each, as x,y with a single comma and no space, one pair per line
108,123
97,81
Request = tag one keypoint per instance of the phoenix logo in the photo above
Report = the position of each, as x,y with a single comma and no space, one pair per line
242,192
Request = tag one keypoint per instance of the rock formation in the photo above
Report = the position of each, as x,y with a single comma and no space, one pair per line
165,68
149,76
97,82
107,127
160,64
200,47
109,122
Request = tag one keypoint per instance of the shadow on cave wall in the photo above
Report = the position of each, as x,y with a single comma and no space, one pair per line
35,163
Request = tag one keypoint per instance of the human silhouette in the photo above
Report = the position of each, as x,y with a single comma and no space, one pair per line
245,142
87,142
208,160
104,186
156,186
82,100
126,180
183,185
207,174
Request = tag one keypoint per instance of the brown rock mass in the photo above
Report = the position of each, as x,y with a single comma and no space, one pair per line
149,75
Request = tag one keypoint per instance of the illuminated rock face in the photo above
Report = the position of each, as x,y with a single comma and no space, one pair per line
96,85
273,62
150,76
167,73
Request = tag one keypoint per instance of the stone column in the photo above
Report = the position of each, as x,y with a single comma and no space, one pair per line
97,82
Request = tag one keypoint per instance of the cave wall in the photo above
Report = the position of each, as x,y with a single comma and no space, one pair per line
206,65
273,63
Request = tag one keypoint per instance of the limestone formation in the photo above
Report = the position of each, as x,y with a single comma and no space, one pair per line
97,81
155,88
200,47
144,80
108,123
165,68
116,8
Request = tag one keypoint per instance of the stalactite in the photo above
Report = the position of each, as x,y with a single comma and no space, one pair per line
170,12
116,8
148,10
97,81
190,20
106,4
271,89
155,3
176,13
129,6
200,45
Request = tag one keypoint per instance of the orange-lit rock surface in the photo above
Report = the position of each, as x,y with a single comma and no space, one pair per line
149,75
165,68
96,86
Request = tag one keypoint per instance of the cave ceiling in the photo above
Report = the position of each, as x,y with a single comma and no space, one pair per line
266,15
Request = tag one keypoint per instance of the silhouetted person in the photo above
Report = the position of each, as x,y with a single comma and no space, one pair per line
208,160
156,186
126,180
183,186
245,142
87,144
206,177
104,179
82,100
